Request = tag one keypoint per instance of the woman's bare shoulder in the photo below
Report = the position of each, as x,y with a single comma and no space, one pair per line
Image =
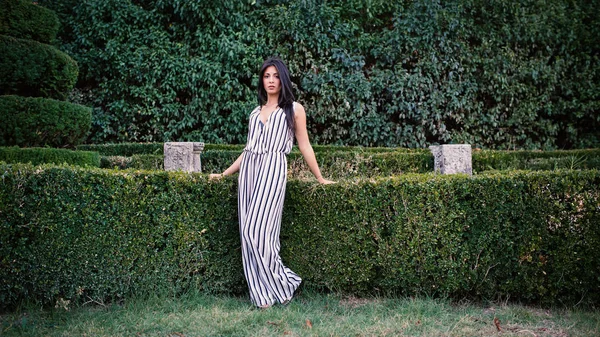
299,109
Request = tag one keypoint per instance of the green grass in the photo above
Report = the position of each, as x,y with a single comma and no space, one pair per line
311,314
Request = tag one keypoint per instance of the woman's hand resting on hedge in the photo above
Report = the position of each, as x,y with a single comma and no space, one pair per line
325,181
215,176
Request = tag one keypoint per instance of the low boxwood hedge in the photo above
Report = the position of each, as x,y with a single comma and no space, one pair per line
130,149
25,20
335,165
352,164
123,149
485,160
105,235
30,68
33,121
346,161
38,156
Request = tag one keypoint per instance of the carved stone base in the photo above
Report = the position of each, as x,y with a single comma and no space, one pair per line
183,156
452,158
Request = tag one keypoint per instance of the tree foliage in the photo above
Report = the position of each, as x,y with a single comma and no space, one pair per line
494,74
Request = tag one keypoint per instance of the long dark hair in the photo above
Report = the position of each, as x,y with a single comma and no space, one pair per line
286,95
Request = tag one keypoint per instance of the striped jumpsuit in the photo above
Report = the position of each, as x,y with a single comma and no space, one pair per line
261,192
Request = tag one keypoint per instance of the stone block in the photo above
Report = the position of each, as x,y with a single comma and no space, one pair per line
183,156
452,158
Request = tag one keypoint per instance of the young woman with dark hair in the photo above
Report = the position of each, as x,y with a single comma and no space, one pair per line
261,183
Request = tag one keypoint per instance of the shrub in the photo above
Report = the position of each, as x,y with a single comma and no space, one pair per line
129,149
24,20
108,235
36,121
37,156
536,160
371,73
124,149
352,162
30,68
333,164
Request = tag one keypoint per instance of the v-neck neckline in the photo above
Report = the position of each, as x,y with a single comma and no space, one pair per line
268,117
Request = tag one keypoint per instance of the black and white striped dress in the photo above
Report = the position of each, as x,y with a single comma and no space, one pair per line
261,192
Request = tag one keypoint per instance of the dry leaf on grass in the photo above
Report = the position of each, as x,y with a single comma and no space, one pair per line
497,323
308,324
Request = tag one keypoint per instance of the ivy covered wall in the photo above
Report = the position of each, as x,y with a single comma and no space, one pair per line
492,73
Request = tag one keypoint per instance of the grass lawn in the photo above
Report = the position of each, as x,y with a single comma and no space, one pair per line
311,314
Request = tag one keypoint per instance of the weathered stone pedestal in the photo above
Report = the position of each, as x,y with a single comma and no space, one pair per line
183,156
452,158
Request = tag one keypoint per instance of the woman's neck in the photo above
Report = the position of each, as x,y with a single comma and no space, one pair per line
272,100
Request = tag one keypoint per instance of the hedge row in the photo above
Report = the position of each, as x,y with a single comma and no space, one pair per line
130,149
37,156
348,164
108,235
482,159
536,160
24,20
33,121
333,164
30,68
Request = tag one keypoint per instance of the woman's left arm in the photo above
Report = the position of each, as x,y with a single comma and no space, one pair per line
304,144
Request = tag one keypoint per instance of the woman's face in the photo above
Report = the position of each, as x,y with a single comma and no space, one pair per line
271,81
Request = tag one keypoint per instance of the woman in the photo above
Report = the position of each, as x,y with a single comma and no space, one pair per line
262,180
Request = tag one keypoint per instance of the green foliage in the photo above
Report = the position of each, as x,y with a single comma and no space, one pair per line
333,164
495,74
24,20
123,149
32,121
30,68
536,160
129,149
106,235
37,156
351,162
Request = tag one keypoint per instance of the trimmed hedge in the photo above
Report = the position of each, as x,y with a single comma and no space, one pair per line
38,156
339,162
24,20
129,149
30,68
536,160
32,121
123,149
333,164
108,235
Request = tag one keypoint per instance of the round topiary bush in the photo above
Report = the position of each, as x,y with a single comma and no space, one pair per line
25,20
30,68
33,121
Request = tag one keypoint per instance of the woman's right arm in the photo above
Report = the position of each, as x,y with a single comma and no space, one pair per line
230,170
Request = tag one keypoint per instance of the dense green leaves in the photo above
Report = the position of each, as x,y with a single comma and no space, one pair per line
495,74
92,234
30,68
24,20
34,121
352,162
37,156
